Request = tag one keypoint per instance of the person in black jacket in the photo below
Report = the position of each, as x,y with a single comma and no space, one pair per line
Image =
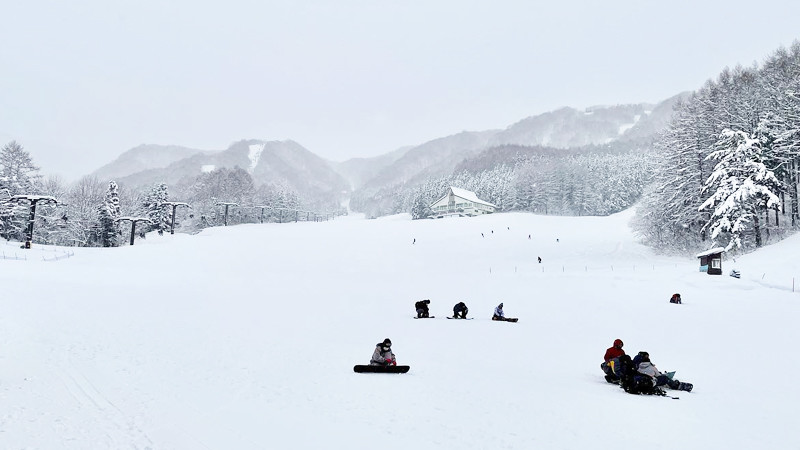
460,311
422,308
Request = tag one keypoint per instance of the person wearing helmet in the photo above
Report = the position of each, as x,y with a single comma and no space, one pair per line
422,308
611,366
498,313
460,311
383,356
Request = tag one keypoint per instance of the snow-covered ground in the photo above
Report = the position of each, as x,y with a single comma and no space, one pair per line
245,338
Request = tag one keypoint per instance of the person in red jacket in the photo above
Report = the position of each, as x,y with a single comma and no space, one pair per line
614,351
611,364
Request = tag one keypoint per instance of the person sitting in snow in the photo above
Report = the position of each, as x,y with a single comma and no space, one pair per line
383,356
645,367
460,311
498,313
676,298
611,365
422,308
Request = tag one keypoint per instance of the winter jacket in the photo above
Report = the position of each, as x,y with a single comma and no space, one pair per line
460,306
379,356
612,353
421,305
498,312
647,368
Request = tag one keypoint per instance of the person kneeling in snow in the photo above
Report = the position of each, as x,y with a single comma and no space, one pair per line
611,365
676,298
422,308
460,311
383,356
645,367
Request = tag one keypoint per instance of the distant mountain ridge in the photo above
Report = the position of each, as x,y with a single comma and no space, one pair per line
145,157
290,163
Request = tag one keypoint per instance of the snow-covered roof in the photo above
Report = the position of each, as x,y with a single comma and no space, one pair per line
466,195
713,250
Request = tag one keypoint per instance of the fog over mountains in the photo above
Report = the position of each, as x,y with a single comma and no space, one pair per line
290,164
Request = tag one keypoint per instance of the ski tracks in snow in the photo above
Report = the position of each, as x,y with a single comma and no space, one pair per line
111,425
116,428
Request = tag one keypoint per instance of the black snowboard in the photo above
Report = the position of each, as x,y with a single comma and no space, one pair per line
429,317
380,369
459,318
507,319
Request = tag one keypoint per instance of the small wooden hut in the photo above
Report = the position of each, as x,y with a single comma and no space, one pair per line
711,261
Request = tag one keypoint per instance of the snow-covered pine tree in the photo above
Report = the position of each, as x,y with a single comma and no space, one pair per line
153,208
107,215
740,186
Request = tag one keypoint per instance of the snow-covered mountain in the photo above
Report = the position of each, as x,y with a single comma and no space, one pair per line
360,170
144,157
290,163
431,159
569,127
267,161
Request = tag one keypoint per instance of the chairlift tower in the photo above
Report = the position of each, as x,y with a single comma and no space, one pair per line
226,204
32,200
133,221
174,207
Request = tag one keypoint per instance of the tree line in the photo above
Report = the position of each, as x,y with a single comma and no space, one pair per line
543,181
727,168
88,211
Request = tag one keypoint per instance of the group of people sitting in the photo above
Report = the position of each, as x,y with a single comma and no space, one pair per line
638,375
460,310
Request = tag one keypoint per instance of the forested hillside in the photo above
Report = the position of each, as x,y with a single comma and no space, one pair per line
727,163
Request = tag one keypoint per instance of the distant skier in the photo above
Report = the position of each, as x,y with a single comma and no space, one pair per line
415,241
529,236
460,311
482,235
498,313
540,259
676,298
383,356
422,308
645,367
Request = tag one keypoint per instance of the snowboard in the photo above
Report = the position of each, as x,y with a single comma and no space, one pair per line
507,319
429,317
459,318
670,375
380,369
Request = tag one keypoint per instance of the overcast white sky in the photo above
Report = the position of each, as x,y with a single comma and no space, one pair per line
81,82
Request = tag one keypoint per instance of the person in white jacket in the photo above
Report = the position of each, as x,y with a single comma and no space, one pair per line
645,367
498,313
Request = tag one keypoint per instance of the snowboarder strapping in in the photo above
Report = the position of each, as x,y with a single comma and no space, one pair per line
460,311
498,313
676,298
383,356
422,308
